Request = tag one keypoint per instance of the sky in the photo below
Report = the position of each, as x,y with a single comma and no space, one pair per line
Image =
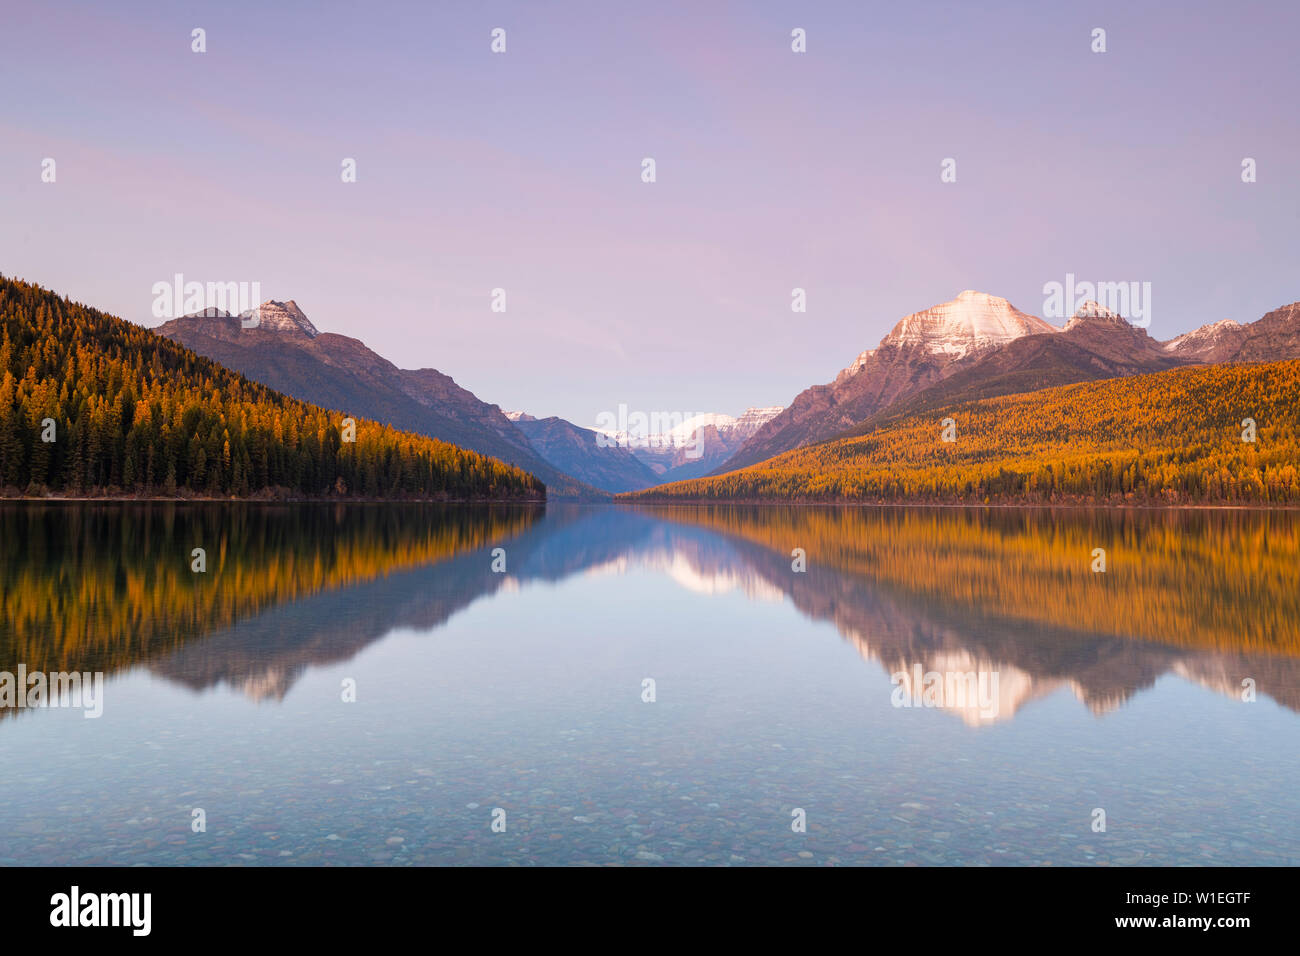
774,170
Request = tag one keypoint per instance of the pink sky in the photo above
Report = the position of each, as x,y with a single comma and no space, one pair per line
775,170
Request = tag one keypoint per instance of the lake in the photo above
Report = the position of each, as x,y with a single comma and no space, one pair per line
369,684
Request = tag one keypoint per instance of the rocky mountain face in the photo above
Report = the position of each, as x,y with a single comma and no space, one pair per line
280,348
279,317
979,346
750,421
1275,336
584,454
975,346
1209,343
1095,343
922,348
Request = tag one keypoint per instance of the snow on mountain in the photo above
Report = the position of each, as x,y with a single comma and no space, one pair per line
1092,311
696,444
921,349
1205,338
752,420
275,316
1271,338
730,429
972,321
685,433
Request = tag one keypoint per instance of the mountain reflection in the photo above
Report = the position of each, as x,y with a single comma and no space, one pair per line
1206,597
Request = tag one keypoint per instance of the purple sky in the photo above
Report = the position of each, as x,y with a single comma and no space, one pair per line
775,170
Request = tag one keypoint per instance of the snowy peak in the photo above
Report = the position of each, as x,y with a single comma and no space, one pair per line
1205,338
1092,313
729,429
752,419
684,434
712,429
968,323
276,316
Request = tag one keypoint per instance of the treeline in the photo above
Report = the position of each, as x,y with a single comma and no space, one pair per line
1170,437
91,404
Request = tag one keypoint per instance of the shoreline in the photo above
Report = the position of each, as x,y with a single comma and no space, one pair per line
962,505
654,502
161,499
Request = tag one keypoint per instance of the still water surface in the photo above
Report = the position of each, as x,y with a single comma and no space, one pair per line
775,690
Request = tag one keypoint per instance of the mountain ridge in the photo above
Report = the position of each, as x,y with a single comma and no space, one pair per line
93,404
286,352
987,347
1199,434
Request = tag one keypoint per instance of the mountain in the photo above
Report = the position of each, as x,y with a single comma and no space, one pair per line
1166,437
284,351
922,348
1275,336
751,420
275,317
91,404
1095,343
580,452
697,445
980,346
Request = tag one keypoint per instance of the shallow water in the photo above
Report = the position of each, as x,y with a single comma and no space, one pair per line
522,691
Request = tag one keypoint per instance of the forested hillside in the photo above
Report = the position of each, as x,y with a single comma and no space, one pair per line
1171,437
91,404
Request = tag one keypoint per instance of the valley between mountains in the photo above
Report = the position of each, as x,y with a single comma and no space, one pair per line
873,432
968,401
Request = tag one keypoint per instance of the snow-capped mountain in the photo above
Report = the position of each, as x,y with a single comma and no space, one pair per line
972,321
281,317
614,460
696,445
1095,343
919,350
956,329
1274,336
1207,340
685,433
979,345
748,424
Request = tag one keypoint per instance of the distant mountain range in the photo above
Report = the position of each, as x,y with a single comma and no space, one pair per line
1203,434
285,351
980,345
976,346
696,445
579,452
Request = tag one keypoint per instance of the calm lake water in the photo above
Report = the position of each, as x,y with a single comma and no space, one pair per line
1042,691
